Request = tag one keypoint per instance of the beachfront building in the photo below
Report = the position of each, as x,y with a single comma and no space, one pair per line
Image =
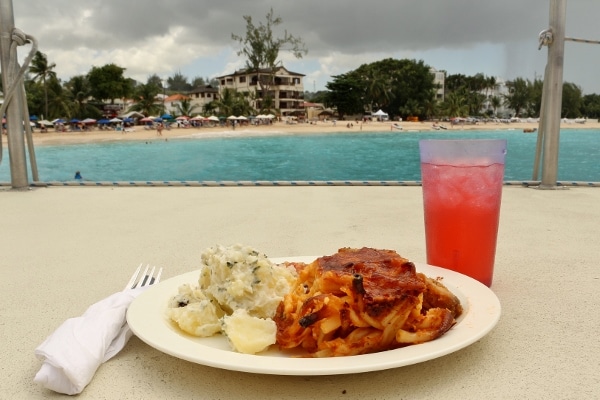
439,80
496,108
314,111
287,89
201,96
171,103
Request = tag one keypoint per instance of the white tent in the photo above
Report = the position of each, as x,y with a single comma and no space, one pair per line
380,115
132,114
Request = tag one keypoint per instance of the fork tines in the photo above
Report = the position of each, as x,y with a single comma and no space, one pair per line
146,278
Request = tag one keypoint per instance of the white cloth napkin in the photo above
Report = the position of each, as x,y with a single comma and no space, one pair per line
72,354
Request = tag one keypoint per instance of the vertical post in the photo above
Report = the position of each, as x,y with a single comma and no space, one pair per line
164,95
14,116
553,83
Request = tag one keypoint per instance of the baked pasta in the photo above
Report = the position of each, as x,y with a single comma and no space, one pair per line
362,301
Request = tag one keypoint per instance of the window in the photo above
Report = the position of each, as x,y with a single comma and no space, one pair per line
242,79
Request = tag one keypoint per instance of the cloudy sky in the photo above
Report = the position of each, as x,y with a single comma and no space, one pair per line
193,37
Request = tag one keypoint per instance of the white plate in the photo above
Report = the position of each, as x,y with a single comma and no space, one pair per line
146,318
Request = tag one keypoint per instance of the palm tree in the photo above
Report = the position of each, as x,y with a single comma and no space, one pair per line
496,102
456,104
79,92
145,100
42,71
226,102
185,107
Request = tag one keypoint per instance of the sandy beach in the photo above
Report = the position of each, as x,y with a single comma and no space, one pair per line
141,133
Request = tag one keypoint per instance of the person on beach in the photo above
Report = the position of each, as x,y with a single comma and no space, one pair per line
78,176
159,129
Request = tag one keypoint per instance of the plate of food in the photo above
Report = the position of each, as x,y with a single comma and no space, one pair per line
150,318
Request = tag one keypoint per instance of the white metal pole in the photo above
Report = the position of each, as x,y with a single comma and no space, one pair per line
14,116
553,85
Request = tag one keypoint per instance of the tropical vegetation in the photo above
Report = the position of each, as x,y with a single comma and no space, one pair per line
402,88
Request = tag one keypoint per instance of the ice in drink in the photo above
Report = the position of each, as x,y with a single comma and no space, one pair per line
462,210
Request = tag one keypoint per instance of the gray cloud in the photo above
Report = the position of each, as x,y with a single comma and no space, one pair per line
157,36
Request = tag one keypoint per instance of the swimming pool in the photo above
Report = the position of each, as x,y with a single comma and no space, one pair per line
380,156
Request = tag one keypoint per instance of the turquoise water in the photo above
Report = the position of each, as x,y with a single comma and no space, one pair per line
343,156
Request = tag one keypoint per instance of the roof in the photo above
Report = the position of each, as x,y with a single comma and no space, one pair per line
176,97
246,71
316,105
204,89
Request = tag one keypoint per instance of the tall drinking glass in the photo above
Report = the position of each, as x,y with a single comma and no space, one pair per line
462,190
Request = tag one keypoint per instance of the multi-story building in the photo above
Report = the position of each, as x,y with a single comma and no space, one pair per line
439,80
287,89
201,96
499,91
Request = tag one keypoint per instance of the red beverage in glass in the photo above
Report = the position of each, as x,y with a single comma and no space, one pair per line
462,210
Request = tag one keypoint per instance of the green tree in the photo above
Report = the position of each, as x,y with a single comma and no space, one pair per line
475,102
178,83
155,80
42,71
411,108
78,92
495,102
232,102
455,104
519,95
199,81
455,82
572,101
35,97
403,81
145,99
431,108
346,94
108,83
591,106
60,104
261,49
185,107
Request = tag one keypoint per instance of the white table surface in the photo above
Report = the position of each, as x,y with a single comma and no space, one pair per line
62,249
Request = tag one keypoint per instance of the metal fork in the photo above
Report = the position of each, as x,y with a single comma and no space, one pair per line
146,278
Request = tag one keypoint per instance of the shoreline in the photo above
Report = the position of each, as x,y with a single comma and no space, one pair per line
139,132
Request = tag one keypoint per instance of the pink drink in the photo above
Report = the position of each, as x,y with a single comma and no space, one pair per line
462,210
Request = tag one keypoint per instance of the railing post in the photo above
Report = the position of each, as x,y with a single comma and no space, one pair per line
14,115
553,85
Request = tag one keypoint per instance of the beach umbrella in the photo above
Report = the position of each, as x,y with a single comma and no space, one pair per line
89,121
33,118
104,121
116,120
74,121
183,118
242,118
58,121
128,120
212,118
197,118
231,117
166,116
157,119
45,122
147,119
